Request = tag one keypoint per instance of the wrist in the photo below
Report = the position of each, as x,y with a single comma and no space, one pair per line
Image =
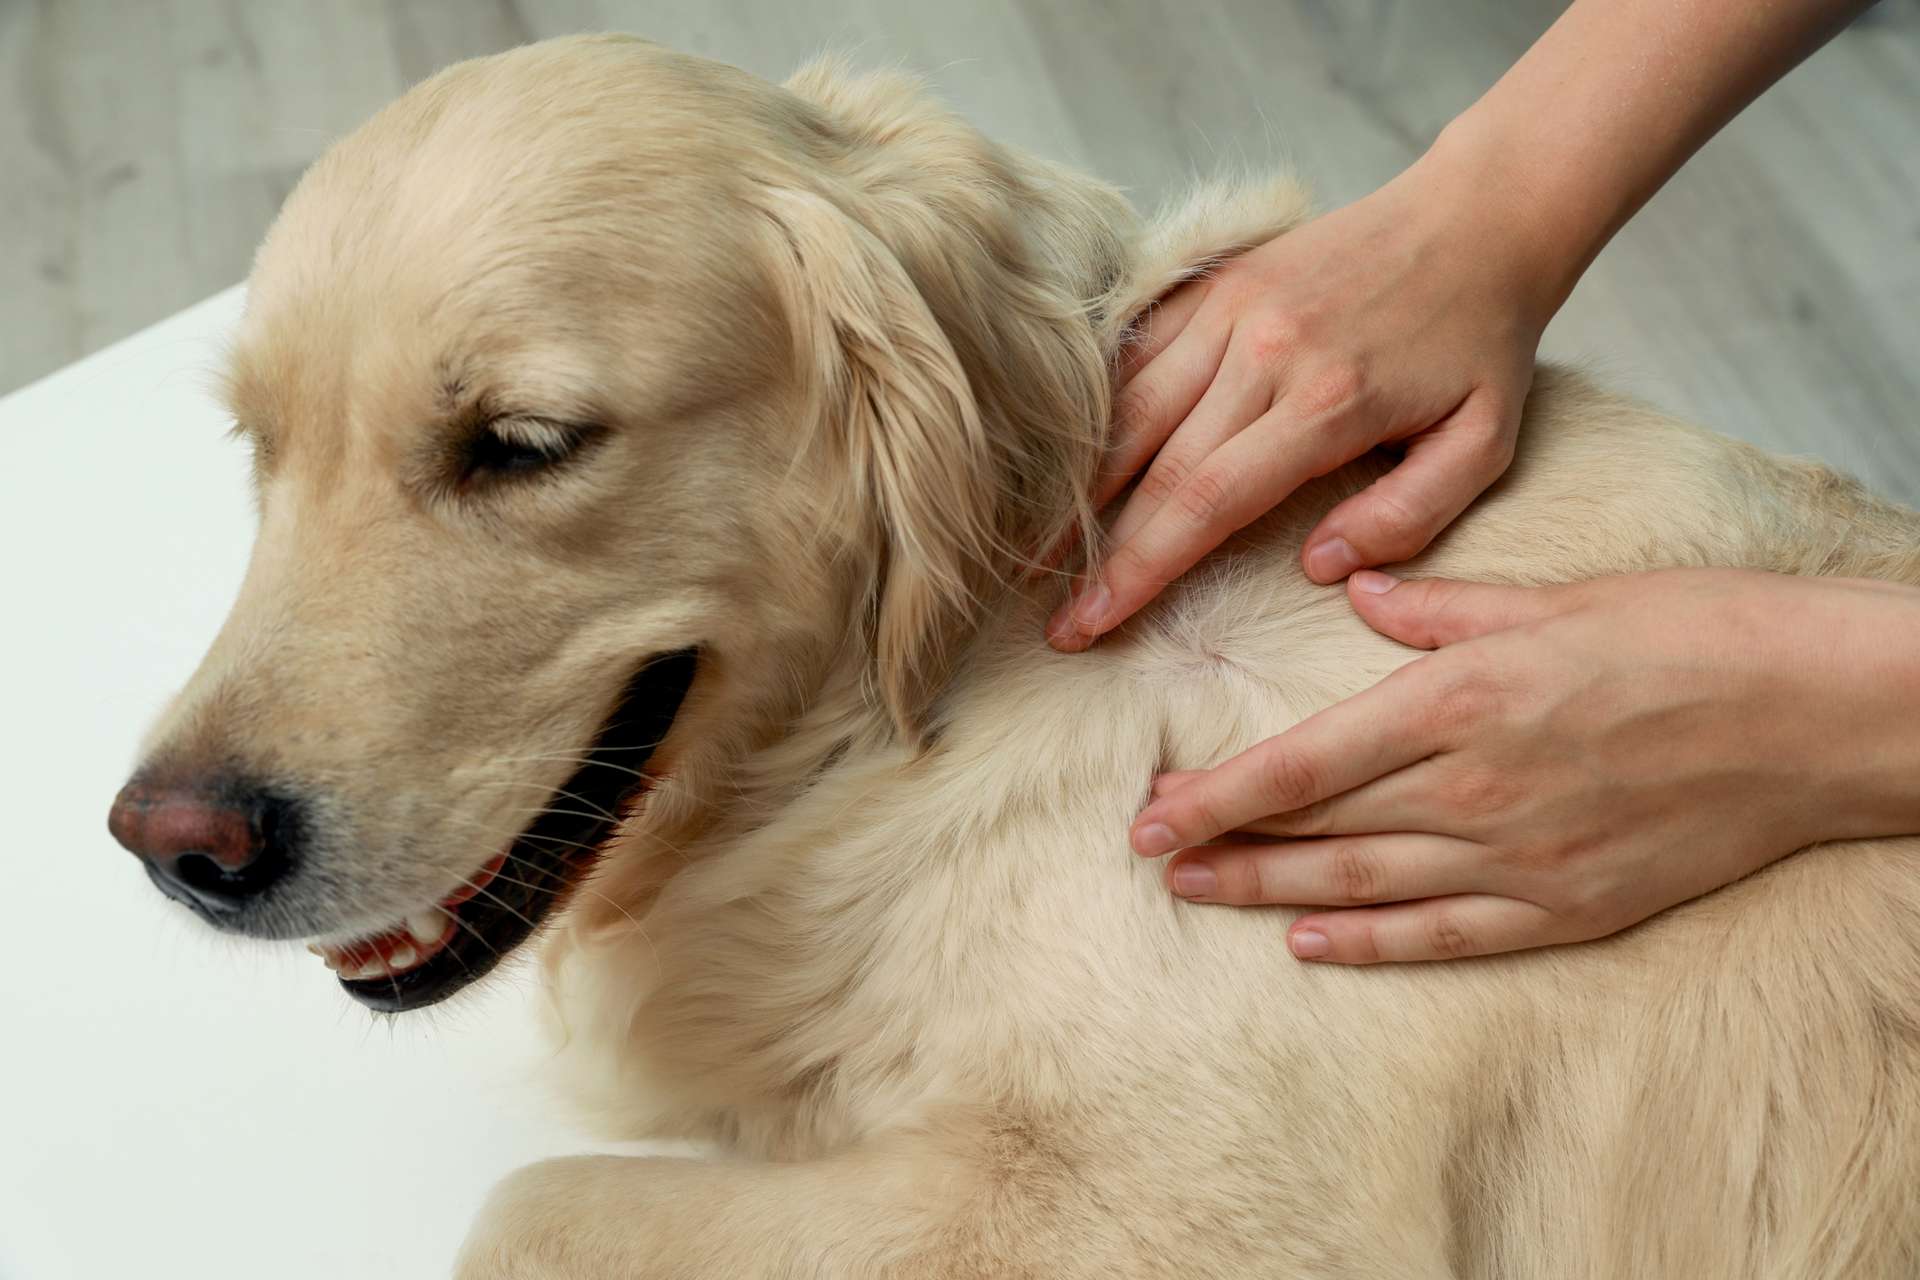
1860,737
1545,234
1888,692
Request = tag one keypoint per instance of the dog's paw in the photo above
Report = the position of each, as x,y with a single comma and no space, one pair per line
530,1227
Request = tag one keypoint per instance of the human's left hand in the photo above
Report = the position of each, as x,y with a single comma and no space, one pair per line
1410,317
1568,762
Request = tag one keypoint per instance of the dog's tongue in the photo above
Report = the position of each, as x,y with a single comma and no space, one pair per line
475,882
409,943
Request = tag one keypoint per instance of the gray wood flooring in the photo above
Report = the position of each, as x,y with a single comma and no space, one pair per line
1771,291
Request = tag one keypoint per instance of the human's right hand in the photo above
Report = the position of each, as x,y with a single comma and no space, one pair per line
1569,761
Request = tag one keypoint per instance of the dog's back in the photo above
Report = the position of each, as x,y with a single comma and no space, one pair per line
961,944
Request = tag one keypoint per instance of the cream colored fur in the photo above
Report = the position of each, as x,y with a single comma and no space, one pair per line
877,936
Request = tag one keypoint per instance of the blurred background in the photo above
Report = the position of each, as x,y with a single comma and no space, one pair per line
1771,291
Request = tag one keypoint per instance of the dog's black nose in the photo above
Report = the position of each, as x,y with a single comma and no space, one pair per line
211,848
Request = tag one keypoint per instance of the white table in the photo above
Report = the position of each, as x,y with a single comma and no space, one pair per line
174,1102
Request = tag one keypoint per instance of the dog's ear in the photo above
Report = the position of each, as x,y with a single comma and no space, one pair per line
894,413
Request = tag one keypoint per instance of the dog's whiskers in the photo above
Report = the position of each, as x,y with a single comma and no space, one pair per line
564,758
480,891
560,793
597,814
477,936
453,811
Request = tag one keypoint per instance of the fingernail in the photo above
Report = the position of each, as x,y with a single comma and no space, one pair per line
1154,839
1194,880
1308,944
1091,609
1374,582
1332,560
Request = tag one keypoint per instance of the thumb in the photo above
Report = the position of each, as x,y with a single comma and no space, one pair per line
1429,612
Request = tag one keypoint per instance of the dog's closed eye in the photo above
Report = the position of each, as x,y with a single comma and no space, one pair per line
508,448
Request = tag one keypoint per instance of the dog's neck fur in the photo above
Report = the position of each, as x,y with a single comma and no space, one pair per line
1083,269
825,709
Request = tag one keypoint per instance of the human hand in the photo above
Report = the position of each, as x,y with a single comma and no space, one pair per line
1568,762
1410,317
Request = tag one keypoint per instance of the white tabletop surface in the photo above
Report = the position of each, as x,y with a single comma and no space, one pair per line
174,1102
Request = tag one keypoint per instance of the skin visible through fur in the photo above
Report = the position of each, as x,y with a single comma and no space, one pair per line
877,933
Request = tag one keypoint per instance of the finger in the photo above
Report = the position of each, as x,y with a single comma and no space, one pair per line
1236,399
1430,612
1449,928
1163,320
1445,468
1241,481
1376,732
1402,800
1157,400
1432,796
1405,800
1174,779
1345,871
1050,559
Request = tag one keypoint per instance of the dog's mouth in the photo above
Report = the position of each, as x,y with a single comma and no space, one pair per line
435,951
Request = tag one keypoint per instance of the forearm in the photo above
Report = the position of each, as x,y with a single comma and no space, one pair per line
1608,104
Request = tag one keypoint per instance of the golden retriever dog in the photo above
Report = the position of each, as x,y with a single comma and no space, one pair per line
651,462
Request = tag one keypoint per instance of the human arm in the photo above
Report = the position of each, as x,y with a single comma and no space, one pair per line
1411,317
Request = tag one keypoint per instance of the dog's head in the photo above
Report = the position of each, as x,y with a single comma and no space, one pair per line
607,404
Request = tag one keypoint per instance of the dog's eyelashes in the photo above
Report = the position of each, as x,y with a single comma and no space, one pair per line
489,453
510,448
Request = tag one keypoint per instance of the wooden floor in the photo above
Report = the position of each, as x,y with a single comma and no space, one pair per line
1771,291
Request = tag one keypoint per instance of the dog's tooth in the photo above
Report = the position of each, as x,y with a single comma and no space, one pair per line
401,958
374,968
427,927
